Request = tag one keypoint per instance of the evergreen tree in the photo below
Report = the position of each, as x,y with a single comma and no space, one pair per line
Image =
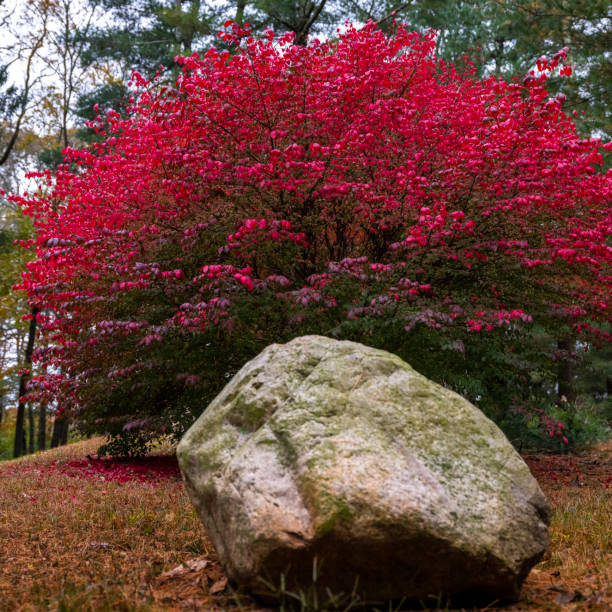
142,36
506,37
530,29
146,33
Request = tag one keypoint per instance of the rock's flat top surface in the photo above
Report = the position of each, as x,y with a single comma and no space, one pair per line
344,452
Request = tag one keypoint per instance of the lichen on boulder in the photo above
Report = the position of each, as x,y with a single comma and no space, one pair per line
331,450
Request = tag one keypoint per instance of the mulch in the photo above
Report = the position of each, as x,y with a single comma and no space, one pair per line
590,468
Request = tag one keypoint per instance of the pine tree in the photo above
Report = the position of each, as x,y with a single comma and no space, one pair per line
143,35
531,29
301,17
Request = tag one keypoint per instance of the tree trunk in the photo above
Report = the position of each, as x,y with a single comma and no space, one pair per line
19,447
41,442
565,375
31,429
306,22
240,6
64,438
60,431
499,54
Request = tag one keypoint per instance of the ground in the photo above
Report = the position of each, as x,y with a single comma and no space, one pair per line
79,533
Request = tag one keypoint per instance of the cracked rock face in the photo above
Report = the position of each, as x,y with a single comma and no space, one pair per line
340,452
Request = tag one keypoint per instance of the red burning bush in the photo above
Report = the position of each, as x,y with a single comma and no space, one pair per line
361,188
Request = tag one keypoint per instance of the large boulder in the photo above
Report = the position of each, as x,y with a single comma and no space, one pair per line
337,451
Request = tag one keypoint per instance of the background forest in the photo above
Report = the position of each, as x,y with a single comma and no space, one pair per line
59,59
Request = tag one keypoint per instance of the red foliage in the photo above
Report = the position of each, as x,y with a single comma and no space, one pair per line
148,469
286,171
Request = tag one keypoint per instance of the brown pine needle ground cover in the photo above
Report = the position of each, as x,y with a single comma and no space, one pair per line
76,534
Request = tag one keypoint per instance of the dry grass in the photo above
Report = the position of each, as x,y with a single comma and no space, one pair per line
78,544
576,574
82,544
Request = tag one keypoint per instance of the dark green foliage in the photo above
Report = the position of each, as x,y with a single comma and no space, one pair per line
125,444
6,240
10,97
147,33
584,421
113,96
6,444
51,158
531,29
595,371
